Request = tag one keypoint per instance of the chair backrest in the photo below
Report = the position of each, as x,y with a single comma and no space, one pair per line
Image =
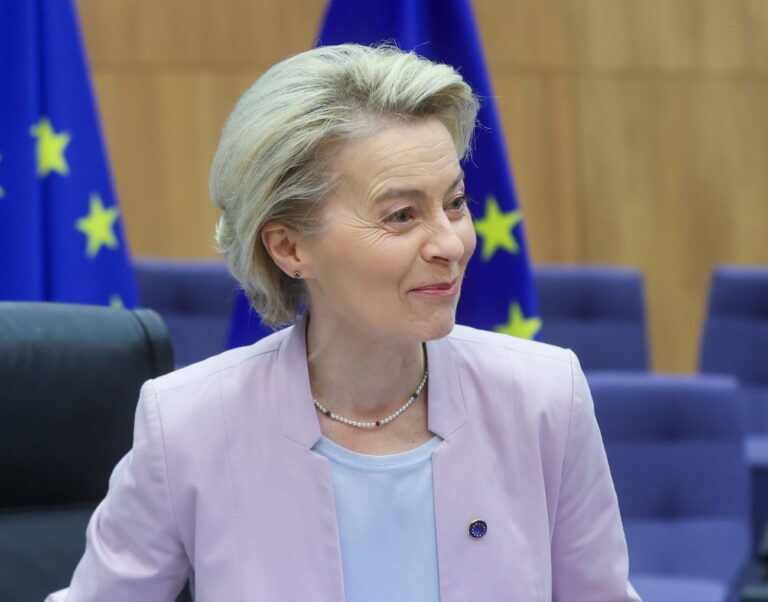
598,312
675,445
69,382
194,298
735,337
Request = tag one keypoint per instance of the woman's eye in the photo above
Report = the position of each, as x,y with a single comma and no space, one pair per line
459,202
403,216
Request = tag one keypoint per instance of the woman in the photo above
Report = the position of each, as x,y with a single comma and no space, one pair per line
371,451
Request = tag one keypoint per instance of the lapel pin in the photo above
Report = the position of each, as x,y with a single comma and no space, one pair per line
477,528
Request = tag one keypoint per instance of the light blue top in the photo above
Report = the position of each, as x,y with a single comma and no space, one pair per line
386,516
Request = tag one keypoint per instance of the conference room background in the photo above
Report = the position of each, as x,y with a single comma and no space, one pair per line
637,130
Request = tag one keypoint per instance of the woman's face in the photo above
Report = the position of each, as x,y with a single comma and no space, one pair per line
398,235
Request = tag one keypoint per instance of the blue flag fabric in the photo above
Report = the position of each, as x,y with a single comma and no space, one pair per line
61,236
498,291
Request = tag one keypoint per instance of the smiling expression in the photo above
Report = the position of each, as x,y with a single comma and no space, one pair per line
397,236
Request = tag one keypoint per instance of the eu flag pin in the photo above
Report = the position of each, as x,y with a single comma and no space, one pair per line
477,528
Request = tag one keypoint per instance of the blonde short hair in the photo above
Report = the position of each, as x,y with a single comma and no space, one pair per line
271,163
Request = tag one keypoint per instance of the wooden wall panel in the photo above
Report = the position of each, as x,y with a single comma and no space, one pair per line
540,134
133,136
197,33
668,127
756,17
526,33
164,126
638,129
674,185
167,74
635,153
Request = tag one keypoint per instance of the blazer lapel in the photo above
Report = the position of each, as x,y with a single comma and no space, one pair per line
298,421
472,481
286,514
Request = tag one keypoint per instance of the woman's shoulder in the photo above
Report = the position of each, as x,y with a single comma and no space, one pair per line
198,392
484,342
199,406
509,374
227,363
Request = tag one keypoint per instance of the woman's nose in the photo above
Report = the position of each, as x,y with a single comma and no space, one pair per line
444,243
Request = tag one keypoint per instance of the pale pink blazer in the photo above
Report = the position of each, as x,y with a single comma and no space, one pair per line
222,485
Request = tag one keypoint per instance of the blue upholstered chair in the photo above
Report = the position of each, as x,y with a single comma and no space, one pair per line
675,447
598,312
735,337
195,300
735,341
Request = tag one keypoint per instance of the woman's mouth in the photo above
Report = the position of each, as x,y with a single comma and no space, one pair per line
438,289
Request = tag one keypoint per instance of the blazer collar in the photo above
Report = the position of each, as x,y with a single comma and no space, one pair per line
297,415
447,411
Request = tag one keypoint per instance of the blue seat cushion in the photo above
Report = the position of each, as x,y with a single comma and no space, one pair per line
707,547
665,588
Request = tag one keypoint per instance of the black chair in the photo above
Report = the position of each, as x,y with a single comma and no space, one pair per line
69,382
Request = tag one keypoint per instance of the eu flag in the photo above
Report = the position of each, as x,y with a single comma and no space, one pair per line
498,292
61,236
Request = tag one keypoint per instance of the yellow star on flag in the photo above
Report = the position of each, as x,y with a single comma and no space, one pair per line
50,148
98,226
116,301
518,325
496,229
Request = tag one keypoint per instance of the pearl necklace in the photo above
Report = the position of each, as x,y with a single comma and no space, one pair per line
383,421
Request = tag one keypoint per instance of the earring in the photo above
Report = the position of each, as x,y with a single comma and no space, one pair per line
297,275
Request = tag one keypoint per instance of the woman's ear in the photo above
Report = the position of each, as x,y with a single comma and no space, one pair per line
282,244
